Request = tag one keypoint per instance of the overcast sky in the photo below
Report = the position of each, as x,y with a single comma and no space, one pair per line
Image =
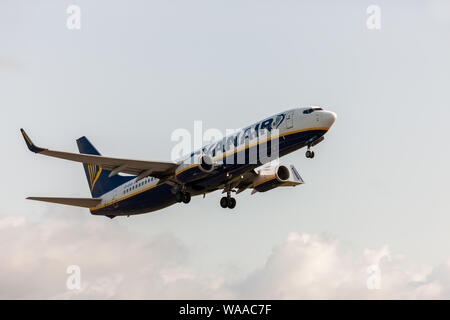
136,71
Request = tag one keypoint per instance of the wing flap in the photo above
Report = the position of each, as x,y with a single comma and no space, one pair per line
246,181
77,202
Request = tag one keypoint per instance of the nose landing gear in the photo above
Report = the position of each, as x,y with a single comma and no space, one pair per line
311,143
309,154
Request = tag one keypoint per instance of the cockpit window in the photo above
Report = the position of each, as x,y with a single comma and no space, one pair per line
311,110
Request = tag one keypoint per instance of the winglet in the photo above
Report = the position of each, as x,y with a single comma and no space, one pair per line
30,144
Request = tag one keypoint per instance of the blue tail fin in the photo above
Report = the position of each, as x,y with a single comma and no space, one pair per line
98,180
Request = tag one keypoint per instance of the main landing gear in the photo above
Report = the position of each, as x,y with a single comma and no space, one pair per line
184,197
228,202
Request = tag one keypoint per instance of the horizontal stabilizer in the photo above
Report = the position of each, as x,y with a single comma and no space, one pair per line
77,202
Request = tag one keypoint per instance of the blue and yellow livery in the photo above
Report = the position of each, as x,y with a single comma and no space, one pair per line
230,164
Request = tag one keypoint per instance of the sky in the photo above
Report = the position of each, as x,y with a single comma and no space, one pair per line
376,192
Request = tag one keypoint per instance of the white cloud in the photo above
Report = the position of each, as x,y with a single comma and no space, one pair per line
315,267
116,263
9,222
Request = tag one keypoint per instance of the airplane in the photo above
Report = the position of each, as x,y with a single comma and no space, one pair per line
240,161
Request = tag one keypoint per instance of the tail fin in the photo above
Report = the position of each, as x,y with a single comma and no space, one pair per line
98,179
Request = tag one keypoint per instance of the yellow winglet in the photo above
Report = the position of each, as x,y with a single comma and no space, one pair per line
29,143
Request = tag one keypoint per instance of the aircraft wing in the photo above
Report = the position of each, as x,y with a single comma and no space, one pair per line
139,168
246,181
77,202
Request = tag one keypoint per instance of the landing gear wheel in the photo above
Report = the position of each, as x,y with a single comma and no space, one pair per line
179,196
224,202
231,203
186,197
309,154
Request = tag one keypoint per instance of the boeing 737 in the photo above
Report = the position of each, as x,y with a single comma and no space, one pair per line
241,161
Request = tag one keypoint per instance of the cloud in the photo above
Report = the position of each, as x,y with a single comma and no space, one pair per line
316,267
119,264
114,262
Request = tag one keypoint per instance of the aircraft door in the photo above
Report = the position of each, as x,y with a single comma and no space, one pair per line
289,119
116,204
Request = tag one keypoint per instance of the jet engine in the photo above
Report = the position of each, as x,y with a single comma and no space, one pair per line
206,163
202,166
276,176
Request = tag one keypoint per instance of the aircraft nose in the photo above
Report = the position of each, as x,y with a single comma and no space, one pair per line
330,118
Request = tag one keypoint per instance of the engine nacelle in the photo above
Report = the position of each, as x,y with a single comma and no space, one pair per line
206,163
282,173
200,167
276,176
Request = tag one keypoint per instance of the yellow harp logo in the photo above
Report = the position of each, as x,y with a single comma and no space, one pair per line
94,174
